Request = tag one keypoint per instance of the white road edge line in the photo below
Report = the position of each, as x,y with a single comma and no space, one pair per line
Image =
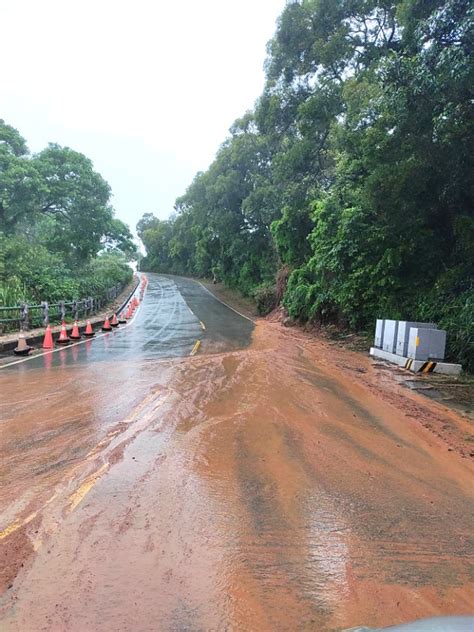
74,344
218,299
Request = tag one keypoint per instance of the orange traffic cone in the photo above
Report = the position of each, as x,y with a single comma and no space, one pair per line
75,335
122,318
106,326
48,339
89,332
22,348
114,322
63,337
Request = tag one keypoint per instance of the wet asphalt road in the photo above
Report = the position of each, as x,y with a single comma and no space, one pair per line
175,314
257,485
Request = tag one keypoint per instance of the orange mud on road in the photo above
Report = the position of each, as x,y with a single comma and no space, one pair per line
281,487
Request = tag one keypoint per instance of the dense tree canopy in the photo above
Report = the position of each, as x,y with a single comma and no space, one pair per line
55,218
354,171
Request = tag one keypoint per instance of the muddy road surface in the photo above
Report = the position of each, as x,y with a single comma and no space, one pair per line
267,482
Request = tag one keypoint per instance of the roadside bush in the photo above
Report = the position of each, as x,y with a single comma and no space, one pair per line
456,315
35,275
282,277
44,275
103,272
266,298
13,292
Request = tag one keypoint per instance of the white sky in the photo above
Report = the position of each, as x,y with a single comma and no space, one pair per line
146,89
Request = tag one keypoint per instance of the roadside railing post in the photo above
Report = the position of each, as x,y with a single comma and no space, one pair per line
31,315
45,309
23,316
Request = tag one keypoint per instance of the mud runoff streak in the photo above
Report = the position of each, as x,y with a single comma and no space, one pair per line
252,486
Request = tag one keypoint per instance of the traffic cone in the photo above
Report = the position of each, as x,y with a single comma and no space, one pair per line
122,318
106,326
75,335
22,349
114,322
63,337
48,342
89,332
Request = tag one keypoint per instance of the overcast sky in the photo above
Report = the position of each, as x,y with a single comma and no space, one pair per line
146,89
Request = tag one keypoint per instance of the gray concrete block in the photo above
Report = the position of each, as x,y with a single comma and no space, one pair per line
390,336
379,329
403,334
426,344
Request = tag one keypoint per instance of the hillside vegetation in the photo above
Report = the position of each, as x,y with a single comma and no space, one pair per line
59,239
352,177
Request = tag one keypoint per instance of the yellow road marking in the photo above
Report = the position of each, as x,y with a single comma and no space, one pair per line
17,525
196,347
85,488
10,529
203,326
91,480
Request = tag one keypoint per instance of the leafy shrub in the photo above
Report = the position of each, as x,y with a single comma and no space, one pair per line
456,315
36,275
282,277
13,292
265,297
103,272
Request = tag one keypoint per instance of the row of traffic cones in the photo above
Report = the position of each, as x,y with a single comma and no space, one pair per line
110,324
23,348
64,337
143,285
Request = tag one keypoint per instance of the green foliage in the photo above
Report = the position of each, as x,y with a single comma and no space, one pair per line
354,172
38,275
106,270
265,297
12,293
44,274
59,238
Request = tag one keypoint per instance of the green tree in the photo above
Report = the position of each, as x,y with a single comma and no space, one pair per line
55,218
354,171
21,187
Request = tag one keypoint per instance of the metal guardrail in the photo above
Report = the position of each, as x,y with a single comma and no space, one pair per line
27,316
